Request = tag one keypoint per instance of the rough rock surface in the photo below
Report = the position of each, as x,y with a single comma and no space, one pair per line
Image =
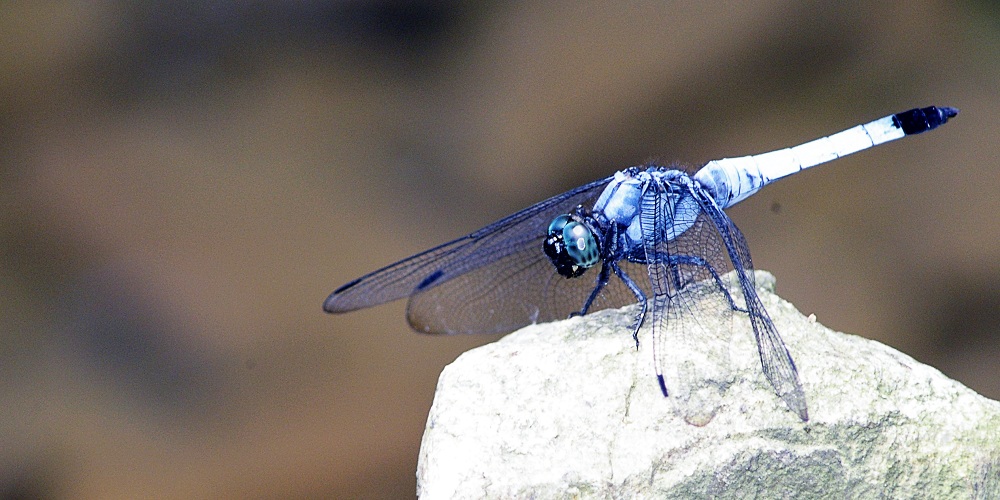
572,410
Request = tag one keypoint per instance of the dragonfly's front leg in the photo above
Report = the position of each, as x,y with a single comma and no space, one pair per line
639,295
602,281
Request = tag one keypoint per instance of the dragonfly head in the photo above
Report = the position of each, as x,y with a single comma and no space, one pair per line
571,245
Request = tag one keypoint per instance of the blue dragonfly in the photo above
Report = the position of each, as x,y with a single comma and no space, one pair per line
653,235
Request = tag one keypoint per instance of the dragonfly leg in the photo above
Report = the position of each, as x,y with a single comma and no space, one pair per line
698,261
602,281
639,295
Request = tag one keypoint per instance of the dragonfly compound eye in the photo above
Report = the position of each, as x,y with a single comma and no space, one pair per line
571,246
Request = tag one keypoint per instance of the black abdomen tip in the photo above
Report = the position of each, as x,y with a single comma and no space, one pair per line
920,120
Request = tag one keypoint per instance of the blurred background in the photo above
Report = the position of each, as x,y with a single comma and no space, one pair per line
184,183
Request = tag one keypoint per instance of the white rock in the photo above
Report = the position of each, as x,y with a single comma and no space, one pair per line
572,409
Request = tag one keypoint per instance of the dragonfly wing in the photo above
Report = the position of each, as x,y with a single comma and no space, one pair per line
774,357
692,309
516,290
494,280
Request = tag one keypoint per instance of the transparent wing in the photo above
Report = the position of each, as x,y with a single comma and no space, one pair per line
494,280
514,291
692,309
774,357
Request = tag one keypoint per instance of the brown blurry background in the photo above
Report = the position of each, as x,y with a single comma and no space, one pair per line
183,185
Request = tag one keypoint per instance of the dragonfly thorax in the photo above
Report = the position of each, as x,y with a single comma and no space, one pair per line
622,200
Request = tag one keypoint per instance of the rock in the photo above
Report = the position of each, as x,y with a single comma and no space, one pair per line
573,409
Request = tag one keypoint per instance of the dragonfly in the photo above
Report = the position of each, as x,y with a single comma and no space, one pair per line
648,234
